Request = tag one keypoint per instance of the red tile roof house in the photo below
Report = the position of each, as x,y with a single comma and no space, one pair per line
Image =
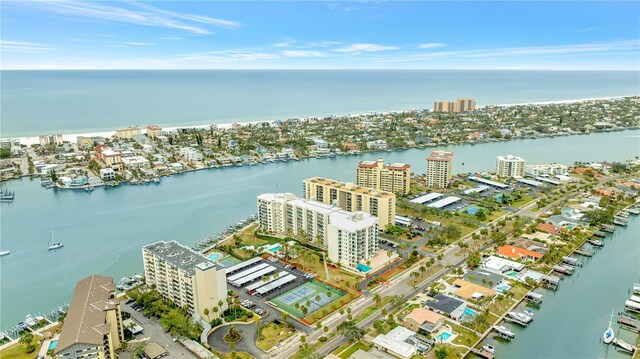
550,228
514,252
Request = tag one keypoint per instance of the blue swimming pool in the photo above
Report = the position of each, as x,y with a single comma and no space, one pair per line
363,268
214,256
52,344
274,249
443,336
503,288
469,312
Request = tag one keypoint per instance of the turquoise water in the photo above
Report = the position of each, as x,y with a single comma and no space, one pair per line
363,268
214,256
52,344
274,249
503,288
36,102
571,321
442,337
104,232
512,274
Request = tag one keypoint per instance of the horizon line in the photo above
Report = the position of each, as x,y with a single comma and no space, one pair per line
315,69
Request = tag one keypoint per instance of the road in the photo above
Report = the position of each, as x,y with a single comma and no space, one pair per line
399,286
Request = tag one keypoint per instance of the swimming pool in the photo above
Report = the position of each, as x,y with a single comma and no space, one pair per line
214,256
443,336
503,288
52,344
363,268
468,312
512,274
274,249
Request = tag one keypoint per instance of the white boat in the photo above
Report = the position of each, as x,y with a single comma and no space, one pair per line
609,335
520,317
636,288
489,348
53,244
4,253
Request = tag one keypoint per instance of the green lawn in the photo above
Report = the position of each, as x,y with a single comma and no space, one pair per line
273,334
352,349
466,337
17,351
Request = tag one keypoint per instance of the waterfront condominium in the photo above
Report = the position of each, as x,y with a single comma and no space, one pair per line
184,277
465,105
93,325
443,106
350,238
509,166
394,178
439,169
352,198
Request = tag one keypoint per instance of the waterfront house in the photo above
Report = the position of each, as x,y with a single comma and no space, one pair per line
484,278
550,228
468,291
377,145
108,174
422,319
448,306
399,342
513,252
501,265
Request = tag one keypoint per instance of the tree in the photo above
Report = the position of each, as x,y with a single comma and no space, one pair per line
377,299
441,353
350,331
137,350
206,313
27,340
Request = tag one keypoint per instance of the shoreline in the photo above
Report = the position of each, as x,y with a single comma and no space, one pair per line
72,137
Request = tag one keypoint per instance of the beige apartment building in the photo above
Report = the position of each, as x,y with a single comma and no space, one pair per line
465,105
185,277
111,158
154,131
352,198
443,106
510,166
350,238
439,169
128,132
394,178
93,325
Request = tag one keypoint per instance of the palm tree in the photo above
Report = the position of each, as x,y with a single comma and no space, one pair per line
389,254
215,310
206,313
284,319
377,299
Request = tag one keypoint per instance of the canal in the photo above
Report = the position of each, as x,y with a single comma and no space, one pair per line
103,231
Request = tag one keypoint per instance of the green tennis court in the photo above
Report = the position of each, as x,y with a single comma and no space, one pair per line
313,295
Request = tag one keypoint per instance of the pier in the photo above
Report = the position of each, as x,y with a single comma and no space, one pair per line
533,298
563,270
504,332
550,281
482,353
599,234
596,242
624,345
628,322
607,228
619,221
571,261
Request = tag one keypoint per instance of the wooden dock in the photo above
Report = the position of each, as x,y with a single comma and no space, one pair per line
628,322
624,345
599,234
584,252
482,353
607,228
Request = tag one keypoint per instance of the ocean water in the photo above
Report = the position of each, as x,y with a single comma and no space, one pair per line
36,102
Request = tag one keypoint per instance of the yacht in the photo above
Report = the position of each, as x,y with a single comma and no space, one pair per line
4,253
608,335
489,348
636,288
53,244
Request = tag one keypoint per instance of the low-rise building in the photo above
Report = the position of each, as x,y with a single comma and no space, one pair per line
50,139
422,319
190,154
111,158
552,169
128,132
399,342
513,252
154,131
471,291
377,145
107,174
93,325
185,277
135,162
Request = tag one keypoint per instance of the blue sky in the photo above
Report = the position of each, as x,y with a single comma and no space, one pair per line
73,34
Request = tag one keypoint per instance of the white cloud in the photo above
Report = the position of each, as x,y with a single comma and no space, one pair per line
356,48
230,55
303,53
24,47
133,43
150,16
282,44
431,45
321,44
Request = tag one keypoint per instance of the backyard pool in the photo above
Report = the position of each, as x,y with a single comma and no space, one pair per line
274,249
442,337
503,288
52,344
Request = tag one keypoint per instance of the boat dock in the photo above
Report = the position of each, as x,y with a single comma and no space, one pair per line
550,281
624,345
563,269
482,353
628,322
599,234
620,221
607,228
504,332
636,288
633,210
584,252
596,242
632,306
533,298
571,261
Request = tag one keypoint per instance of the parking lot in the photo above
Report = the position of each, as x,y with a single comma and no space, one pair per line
153,332
256,302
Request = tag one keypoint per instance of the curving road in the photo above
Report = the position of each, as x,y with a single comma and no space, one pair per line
247,344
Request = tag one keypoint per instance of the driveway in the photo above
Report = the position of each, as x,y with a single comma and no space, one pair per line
247,344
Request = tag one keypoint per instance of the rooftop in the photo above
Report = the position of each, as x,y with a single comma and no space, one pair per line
352,221
85,322
399,341
179,256
470,290
349,187
421,315
517,252
445,303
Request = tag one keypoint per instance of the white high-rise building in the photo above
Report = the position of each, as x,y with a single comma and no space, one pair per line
350,237
509,166
185,277
439,169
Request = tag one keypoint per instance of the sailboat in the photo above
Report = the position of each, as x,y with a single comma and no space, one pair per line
4,253
54,244
608,335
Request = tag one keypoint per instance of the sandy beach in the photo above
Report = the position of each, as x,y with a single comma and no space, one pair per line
72,137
